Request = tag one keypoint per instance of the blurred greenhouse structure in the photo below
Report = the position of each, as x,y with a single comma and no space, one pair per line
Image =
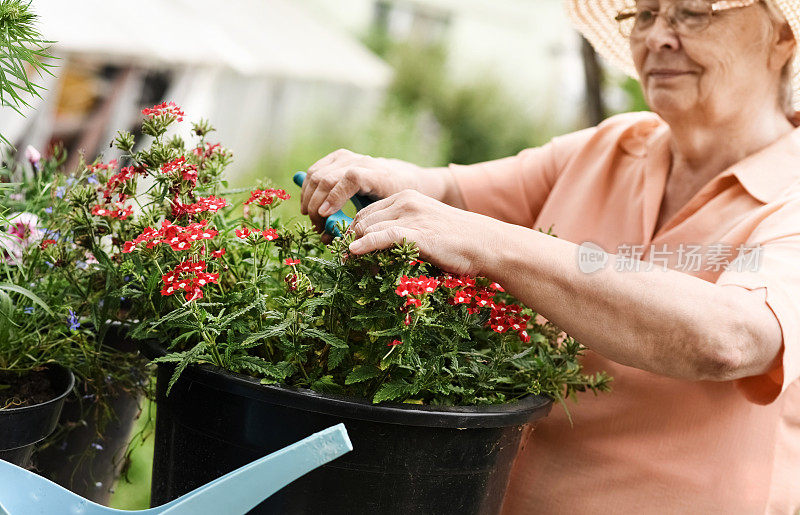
254,67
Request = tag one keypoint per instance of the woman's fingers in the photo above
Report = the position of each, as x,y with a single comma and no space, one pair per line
353,181
378,220
377,240
330,164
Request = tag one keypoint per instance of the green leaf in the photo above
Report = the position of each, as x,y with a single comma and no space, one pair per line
326,384
336,356
362,373
27,293
391,391
326,337
270,332
183,359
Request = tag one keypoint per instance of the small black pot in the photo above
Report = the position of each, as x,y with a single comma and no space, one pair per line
77,458
22,428
406,458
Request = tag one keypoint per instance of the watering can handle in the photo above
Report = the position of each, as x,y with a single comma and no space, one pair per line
331,223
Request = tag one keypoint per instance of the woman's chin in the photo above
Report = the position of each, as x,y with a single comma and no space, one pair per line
665,104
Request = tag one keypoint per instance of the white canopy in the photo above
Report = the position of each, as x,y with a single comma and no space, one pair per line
252,37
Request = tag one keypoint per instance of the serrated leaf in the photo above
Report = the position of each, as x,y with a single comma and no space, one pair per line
326,337
391,391
362,373
336,356
326,384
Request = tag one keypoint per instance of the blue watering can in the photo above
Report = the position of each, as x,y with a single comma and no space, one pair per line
24,493
332,222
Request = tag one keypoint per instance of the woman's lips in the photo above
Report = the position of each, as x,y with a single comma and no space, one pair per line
667,74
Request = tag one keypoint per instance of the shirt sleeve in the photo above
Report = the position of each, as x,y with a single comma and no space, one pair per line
514,189
773,265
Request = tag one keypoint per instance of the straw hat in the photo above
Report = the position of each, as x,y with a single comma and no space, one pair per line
595,20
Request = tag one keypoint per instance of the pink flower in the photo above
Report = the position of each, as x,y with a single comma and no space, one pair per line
164,109
243,233
33,156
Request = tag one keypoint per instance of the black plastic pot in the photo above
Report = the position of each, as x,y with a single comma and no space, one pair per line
406,458
77,458
22,428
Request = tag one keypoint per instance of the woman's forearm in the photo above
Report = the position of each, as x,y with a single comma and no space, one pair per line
665,322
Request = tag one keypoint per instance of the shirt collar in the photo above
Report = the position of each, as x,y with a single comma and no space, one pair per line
765,174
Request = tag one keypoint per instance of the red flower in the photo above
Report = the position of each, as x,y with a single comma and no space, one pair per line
93,168
164,109
394,343
218,253
188,172
210,204
113,211
291,262
413,302
496,286
451,281
267,197
270,234
243,233
177,237
188,276
524,336
209,151
46,243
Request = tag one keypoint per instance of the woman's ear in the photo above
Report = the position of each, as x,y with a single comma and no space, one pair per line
783,46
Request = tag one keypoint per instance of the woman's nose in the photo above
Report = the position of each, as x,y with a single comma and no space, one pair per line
662,36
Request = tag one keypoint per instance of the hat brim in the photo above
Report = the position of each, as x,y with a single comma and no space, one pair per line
595,20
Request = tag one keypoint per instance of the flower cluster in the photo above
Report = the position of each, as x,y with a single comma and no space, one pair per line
414,287
113,210
268,234
209,204
177,237
189,277
164,109
505,317
179,167
266,197
207,151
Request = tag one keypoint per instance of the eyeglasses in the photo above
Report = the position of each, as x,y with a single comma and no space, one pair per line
686,17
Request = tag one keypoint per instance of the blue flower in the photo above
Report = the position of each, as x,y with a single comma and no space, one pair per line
48,210
70,181
92,179
73,321
60,191
28,310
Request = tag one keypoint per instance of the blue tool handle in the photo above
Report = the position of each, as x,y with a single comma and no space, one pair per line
331,223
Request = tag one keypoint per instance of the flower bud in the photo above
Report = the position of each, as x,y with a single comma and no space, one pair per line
33,156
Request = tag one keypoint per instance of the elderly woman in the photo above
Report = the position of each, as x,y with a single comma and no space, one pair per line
676,261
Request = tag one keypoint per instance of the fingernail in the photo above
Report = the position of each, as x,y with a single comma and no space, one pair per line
323,209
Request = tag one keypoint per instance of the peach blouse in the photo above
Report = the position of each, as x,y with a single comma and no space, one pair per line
657,444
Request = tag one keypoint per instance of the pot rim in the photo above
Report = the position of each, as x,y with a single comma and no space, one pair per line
527,409
62,395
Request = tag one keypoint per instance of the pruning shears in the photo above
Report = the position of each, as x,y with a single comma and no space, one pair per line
332,222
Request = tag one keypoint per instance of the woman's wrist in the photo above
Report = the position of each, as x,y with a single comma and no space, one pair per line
440,184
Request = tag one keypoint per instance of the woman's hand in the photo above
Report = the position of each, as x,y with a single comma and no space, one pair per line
456,241
335,178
